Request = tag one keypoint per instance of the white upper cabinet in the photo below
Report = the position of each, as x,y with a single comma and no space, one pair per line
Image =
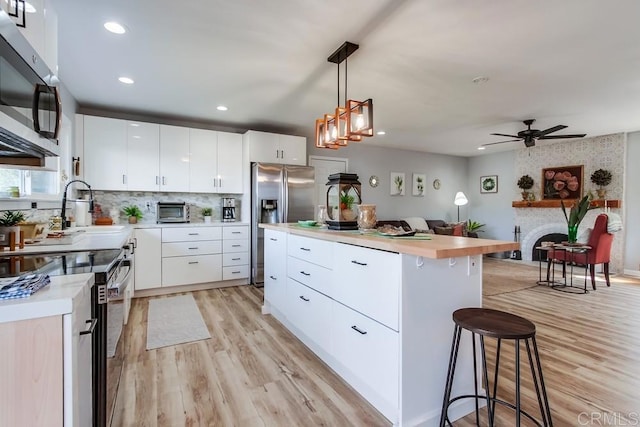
174,158
275,148
143,156
105,148
216,162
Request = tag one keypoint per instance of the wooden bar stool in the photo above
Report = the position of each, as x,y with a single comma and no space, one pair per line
504,326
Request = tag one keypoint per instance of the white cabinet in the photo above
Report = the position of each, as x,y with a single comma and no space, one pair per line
310,312
230,171
174,158
275,269
235,249
105,152
148,259
143,156
191,255
215,162
275,148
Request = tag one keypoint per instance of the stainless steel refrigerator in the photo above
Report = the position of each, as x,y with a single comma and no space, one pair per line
279,193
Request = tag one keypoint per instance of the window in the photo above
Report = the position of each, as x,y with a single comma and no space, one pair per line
33,184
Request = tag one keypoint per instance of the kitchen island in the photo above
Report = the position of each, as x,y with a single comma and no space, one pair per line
378,310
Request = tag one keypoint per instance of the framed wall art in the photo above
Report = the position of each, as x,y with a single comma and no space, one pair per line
418,184
489,184
562,182
397,184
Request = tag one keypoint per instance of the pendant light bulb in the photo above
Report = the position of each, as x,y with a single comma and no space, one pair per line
359,121
334,133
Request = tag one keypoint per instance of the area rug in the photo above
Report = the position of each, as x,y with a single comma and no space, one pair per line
115,312
502,276
174,320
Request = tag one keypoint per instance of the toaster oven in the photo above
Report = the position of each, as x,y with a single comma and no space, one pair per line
172,212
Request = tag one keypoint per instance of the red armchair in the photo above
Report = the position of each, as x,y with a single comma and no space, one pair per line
600,252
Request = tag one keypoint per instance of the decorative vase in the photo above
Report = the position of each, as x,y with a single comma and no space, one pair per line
207,218
322,214
133,220
348,214
367,217
525,195
602,193
573,234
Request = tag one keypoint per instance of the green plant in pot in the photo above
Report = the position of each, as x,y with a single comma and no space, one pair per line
206,214
346,206
601,178
525,183
133,212
9,223
473,228
576,215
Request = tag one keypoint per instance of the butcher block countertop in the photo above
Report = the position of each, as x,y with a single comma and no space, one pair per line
437,247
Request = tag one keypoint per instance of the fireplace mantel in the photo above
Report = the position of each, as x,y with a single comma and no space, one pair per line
555,203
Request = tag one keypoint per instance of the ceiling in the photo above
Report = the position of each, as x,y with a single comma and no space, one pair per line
571,62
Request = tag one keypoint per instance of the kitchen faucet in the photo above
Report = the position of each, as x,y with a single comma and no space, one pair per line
64,200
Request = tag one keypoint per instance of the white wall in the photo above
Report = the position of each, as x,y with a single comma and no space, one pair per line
631,206
493,209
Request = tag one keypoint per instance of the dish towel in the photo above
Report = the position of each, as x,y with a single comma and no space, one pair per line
22,286
614,224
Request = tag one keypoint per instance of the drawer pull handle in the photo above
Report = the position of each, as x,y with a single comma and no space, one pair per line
237,232
235,272
303,298
194,248
235,259
355,328
235,246
194,234
193,262
305,273
272,239
92,325
305,249
359,263
273,278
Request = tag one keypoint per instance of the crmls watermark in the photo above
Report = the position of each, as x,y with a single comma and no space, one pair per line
608,419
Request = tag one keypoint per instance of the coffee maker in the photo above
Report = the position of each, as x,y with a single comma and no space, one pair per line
228,209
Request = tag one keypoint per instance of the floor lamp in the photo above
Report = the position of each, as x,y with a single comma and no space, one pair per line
460,200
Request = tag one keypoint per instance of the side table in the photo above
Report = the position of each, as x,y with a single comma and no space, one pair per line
570,252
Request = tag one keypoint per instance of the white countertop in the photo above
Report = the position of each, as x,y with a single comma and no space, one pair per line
188,224
54,299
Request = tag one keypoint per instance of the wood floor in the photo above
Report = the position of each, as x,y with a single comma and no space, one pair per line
252,372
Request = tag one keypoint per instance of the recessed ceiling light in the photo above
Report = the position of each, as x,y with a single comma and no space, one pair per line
126,80
481,148
480,79
381,132
221,108
135,125
114,27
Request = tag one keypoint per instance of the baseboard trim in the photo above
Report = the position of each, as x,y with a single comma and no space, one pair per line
633,273
188,288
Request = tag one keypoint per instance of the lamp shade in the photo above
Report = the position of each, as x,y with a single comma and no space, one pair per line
460,199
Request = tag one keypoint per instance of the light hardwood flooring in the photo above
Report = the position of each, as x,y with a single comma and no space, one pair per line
253,372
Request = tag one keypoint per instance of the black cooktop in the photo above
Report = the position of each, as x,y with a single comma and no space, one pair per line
101,262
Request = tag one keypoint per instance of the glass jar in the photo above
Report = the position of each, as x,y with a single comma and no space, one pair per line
322,214
367,217
55,223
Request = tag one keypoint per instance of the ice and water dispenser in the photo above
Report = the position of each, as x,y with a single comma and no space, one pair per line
269,211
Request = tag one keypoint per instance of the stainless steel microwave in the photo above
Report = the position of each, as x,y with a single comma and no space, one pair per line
172,212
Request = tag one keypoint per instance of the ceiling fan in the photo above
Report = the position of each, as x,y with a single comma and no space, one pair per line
530,136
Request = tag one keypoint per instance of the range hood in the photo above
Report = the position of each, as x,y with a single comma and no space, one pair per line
16,150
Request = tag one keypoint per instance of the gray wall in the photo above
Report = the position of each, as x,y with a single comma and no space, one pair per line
489,208
366,160
632,206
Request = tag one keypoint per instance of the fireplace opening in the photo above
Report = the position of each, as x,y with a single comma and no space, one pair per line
553,237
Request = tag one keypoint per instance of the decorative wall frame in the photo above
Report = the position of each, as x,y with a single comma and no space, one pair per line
418,184
562,182
489,184
397,184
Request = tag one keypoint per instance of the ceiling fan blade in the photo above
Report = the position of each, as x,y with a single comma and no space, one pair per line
501,142
581,135
547,131
504,134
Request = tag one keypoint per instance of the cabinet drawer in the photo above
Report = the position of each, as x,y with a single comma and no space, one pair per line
235,232
235,272
239,258
235,246
313,250
191,234
369,282
188,270
312,275
191,248
310,312
368,349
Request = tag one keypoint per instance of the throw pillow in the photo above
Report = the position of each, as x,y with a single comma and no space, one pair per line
416,223
584,236
448,231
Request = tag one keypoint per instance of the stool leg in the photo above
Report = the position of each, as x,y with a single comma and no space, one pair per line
495,380
455,344
475,378
518,383
547,409
486,381
534,375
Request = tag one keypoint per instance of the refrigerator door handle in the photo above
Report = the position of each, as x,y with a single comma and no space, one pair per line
285,195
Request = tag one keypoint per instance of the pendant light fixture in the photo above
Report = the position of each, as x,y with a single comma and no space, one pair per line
350,122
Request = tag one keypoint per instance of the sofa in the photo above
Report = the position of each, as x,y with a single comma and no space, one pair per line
435,226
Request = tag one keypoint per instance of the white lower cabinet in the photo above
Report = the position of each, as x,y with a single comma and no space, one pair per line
235,249
275,270
148,274
310,312
187,270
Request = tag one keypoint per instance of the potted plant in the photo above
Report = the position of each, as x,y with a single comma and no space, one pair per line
525,183
346,206
133,212
9,223
473,228
576,214
206,213
601,178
